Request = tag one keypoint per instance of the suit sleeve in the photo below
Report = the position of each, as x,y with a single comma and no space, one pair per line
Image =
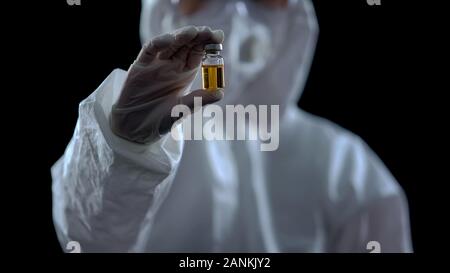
107,190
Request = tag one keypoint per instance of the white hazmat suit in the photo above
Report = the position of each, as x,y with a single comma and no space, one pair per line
322,190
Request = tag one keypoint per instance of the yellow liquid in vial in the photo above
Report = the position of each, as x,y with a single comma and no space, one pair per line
213,77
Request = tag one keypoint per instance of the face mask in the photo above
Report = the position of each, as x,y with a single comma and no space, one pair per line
259,46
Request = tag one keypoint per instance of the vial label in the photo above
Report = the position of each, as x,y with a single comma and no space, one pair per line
213,77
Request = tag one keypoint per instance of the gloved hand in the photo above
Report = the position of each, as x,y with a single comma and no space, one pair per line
164,68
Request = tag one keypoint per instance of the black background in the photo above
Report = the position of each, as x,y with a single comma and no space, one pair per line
365,77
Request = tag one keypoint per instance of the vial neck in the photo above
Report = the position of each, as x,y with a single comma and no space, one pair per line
212,52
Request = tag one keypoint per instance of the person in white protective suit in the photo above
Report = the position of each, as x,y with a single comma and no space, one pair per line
124,184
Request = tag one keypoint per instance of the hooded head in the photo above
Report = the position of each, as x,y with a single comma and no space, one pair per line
267,50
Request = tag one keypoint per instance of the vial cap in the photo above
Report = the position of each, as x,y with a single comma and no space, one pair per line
213,47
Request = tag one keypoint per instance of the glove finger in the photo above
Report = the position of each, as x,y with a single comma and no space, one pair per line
150,50
182,37
207,35
203,34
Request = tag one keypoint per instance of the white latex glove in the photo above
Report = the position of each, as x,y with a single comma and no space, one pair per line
164,68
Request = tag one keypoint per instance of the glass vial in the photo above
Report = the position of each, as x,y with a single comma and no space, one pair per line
213,68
